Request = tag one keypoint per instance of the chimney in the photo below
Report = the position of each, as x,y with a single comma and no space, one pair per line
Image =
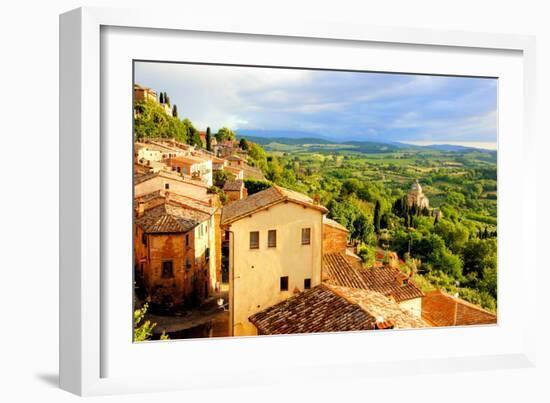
166,196
210,202
140,209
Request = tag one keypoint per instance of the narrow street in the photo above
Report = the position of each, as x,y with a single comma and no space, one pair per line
205,320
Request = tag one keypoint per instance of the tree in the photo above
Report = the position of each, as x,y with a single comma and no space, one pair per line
195,138
256,185
208,139
480,255
455,235
144,330
175,111
225,134
220,177
243,144
376,218
161,98
258,156
363,230
367,254
152,122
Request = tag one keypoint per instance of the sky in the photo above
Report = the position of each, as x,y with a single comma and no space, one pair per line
340,106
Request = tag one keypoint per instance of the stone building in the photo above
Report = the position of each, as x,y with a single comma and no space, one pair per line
417,197
174,183
235,190
193,167
144,93
175,249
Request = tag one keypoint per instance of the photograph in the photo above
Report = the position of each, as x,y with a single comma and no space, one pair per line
272,200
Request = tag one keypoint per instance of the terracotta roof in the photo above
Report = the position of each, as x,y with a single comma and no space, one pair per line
316,310
334,224
338,271
235,185
233,170
381,307
153,198
189,159
263,199
140,178
234,158
170,218
442,309
143,177
390,281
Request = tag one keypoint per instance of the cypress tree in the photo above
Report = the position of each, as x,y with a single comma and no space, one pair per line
377,216
208,139
175,111
161,98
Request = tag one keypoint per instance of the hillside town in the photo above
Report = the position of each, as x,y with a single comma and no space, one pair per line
216,256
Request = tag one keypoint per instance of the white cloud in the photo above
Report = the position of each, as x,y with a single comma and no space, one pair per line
326,102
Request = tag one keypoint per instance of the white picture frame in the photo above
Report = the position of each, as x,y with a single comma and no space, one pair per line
86,299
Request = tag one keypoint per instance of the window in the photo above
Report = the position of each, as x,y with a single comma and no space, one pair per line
306,236
167,269
272,238
166,186
187,264
307,284
187,240
144,239
284,283
254,240
207,254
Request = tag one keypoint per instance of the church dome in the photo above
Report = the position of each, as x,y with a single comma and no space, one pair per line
416,187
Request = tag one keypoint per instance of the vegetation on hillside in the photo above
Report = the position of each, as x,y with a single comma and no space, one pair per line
364,187
151,121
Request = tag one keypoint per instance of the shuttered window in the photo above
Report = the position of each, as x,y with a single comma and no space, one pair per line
254,240
306,236
272,238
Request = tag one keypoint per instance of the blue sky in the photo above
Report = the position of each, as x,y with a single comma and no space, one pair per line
336,105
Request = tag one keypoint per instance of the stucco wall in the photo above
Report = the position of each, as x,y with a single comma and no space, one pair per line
255,273
190,190
413,305
205,237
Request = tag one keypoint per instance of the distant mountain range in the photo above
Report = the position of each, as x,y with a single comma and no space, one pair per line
282,134
264,137
293,137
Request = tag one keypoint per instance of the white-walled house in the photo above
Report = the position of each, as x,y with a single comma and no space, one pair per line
275,251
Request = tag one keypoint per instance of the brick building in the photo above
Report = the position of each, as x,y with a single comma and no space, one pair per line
335,236
175,249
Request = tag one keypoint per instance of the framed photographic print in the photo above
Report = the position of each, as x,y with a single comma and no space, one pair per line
251,194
